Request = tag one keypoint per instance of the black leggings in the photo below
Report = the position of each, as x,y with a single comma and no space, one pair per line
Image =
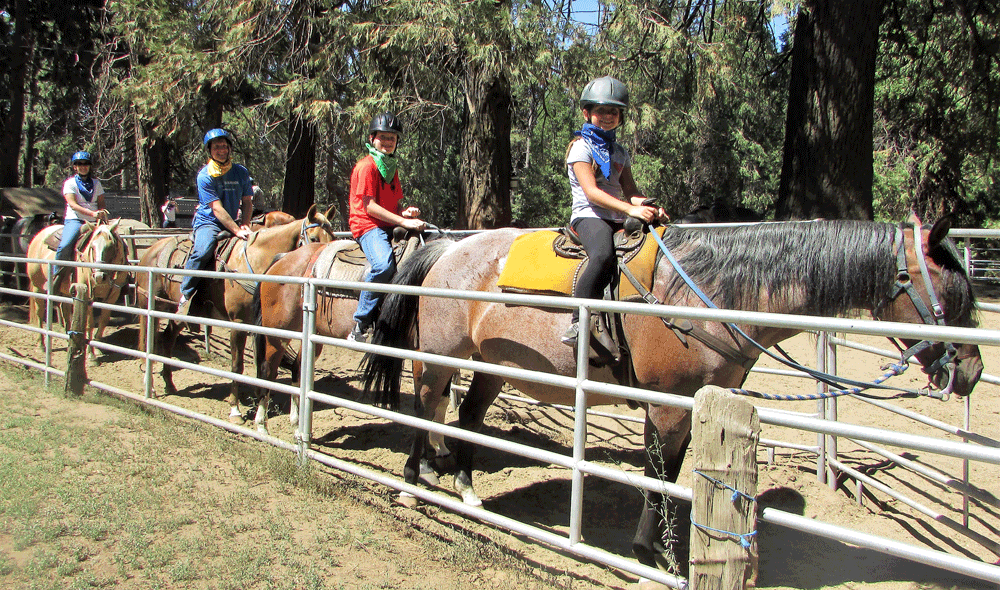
597,237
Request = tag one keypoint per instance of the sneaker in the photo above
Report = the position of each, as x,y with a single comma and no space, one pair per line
571,334
359,333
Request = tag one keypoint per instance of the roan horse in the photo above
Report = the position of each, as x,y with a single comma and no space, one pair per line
224,299
280,305
821,268
97,244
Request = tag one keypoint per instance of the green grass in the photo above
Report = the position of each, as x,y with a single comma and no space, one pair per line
98,493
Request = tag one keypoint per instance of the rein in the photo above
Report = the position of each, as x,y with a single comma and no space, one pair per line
847,386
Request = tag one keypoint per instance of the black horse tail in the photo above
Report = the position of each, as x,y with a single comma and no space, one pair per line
396,323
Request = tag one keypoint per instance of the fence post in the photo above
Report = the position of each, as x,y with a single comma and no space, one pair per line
76,351
725,430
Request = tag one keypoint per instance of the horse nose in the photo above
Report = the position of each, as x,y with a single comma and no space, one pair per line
968,371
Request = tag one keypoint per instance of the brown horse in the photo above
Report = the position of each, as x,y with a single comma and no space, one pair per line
280,305
223,299
271,219
821,268
97,244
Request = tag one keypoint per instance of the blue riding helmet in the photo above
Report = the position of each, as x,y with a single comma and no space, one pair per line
217,133
81,156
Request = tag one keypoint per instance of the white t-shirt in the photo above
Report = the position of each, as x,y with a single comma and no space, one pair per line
69,187
579,151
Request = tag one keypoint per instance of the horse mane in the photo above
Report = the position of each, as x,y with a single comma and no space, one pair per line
831,267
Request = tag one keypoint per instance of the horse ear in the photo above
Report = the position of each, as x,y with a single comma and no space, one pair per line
917,224
939,232
311,213
113,226
331,212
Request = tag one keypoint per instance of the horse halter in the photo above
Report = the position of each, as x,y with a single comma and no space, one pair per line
933,316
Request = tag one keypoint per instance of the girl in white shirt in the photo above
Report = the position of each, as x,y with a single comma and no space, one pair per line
604,195
84,202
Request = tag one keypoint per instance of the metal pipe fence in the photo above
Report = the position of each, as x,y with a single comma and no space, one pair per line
583,387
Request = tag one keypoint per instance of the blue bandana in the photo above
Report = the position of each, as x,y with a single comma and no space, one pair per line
85,186
601,143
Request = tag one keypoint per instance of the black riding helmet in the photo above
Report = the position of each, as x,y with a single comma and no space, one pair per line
605,91
386,122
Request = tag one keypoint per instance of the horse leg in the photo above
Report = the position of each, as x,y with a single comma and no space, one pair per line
35,317
442,458
667,434
237,342
169,338
483,390
102,323
429,381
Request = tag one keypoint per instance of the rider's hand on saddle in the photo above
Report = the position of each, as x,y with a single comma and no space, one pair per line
243,233
101,215
410,213
414,224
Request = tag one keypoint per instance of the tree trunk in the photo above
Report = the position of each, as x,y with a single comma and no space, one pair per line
827,169
17,57
299,191
335,187
151,173
484,175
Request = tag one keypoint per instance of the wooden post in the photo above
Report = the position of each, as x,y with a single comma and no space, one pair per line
76,352
725,430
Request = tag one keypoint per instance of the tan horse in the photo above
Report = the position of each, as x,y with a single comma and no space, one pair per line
271,219
222,299
821,268
97,244
281,305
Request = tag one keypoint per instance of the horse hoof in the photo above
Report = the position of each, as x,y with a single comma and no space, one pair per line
263,430
470,498
407,500
238,420
427,475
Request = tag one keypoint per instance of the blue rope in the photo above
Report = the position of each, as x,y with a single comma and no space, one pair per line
743,538
892,370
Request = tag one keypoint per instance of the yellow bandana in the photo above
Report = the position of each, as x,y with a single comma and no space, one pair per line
215,169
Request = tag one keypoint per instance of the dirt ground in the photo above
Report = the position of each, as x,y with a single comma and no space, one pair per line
537,494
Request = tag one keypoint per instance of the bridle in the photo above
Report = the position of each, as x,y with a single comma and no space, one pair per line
89,251
932,315
304,237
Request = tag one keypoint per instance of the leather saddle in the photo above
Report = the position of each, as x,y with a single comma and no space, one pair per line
344,260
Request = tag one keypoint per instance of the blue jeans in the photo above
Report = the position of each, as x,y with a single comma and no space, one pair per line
70,233
378,250
206,238
66,249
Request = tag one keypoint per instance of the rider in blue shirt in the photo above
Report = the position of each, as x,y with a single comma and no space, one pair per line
225,193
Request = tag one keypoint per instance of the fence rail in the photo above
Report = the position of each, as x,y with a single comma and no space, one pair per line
988,452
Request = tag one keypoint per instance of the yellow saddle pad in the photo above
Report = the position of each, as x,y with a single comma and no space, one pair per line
533,266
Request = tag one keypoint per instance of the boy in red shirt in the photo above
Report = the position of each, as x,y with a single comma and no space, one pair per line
374,211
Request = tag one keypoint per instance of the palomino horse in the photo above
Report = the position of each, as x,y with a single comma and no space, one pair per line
281,305
821,268
224,299
97,244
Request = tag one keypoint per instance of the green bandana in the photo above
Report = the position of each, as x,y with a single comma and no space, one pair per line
385,162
